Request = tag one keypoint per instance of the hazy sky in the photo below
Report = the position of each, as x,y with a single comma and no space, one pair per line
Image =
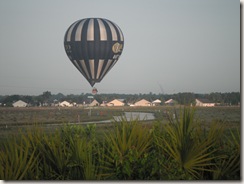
170,46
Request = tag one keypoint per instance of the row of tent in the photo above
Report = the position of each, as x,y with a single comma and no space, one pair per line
121,102
142,102
115,102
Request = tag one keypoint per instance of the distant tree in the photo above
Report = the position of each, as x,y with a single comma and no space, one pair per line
44,98
185,98
1,98
58,96
28,99
232,98
9,100
215,97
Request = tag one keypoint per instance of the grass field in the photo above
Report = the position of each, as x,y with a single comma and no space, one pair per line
13,118
49,115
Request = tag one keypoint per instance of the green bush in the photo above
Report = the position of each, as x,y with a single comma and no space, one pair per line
126,150
18,159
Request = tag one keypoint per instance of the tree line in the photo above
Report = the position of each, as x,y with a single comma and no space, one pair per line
185,98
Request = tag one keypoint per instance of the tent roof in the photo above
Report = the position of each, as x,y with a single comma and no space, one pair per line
157,101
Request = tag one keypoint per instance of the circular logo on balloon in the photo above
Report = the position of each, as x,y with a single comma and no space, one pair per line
117,47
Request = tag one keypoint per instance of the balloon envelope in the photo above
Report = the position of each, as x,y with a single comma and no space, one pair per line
94,45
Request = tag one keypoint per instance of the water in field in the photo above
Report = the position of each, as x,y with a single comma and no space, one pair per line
141,116
136,116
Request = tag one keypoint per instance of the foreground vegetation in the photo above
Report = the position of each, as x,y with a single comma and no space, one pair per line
182,149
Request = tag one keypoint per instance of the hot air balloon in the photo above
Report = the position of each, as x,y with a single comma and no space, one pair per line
94,45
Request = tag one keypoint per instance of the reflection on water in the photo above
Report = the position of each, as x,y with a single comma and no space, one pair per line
136,116
129,116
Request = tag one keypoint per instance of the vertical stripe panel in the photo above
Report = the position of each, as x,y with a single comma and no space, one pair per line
68,39
106,68
83,64
120,33
78,67
111,66
113,31
103,32
90,30
99,69
92,68
79,31
114,62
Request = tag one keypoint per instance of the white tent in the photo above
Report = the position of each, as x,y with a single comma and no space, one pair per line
94,103
156,102
115,102
65,104
143,102
170,102
19,103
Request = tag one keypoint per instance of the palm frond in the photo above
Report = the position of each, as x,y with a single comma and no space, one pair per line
184,144
19,160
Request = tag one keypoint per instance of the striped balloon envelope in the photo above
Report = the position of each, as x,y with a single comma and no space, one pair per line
94,45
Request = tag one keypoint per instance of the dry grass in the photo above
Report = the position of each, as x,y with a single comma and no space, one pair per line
12,119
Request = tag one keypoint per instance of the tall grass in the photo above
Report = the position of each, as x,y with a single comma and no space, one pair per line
183,149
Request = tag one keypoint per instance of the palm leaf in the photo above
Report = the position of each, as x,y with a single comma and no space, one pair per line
19,159
194,154
119,142
229,167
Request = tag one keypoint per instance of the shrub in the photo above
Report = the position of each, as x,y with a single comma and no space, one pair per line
228,168
191,150
17,159
126,151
